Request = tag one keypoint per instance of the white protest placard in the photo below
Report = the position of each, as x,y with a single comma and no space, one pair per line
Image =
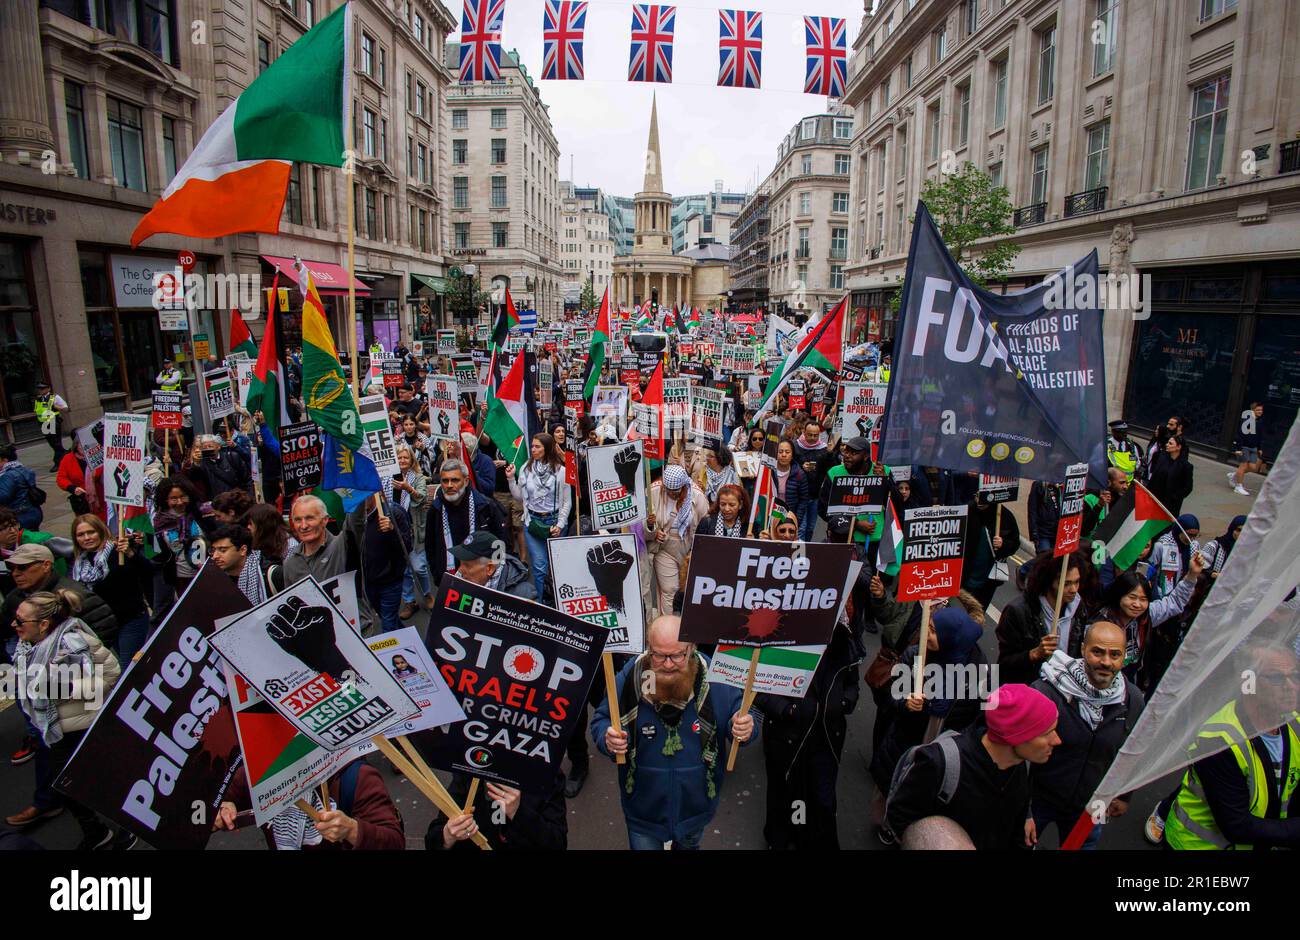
444,411
220,391
405,656
616,484
379,435
243,370
677,406
299,652
545,382
91,447
782,670
125,440
860,406
447,342
599,581
610,401
706,413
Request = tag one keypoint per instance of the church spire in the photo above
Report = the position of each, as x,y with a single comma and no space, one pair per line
654,177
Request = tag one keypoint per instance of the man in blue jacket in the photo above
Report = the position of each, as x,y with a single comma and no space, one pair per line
679,730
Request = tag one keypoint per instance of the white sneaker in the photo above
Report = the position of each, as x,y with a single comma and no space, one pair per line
1241,490
1232,478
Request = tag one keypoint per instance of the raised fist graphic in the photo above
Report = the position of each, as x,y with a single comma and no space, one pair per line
625,463
864,426
307,634
444,422
609,565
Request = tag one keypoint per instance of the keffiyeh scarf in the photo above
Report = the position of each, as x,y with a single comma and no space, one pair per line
91,568
291,830
1069,677
66,645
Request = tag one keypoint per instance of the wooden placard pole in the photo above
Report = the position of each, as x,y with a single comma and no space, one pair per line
325,794
308,809
469,798
611,692
167,452
997,521
429,785
121,531
746,702
1060,592
918,678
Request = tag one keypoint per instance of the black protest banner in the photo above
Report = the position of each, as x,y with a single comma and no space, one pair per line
521,671
857,493
998,489
756,592
162,751
1069,526
933,538
300,457
1033,360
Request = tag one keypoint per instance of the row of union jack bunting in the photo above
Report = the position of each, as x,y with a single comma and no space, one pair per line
740,45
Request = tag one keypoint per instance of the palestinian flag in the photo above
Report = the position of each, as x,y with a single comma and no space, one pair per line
511,314
135,519
654,398
821,348
599,341
691,324
889,555
643,318
787,657
324,385
241,341
670,318
237,176
764,500
506,424
267,393
1130,524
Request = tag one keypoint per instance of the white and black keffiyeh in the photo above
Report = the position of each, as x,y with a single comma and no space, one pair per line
447,543
251,583
92,567
1070,678
292,829
721,528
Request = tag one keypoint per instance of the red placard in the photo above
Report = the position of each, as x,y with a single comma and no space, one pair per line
570,468
1069,526
933,540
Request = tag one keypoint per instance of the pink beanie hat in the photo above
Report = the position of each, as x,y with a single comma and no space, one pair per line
1017,714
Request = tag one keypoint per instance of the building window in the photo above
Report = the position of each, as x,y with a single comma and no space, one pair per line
293,195
460,192
368,54
808,130
932,128
882,155
370,214
1000,68
1046,64
498,150
1103,48
880,227
318,195
126,141
837,277
383,68
805,203
1038,192
460,151
500,234
1098,155
417,28
422,162
462,234
839,202
420,92
841,164
805,164
907,72
839,243
939,43
963,114
802,251
972,19
801,273
498,118
72,99
899,219
884,93
263,54
309,12
1212,8
498,192
901,159
383,139
995,173
1209,126
844,129
368,131
459,119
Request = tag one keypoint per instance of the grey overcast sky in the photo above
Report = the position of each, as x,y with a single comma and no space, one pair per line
706,133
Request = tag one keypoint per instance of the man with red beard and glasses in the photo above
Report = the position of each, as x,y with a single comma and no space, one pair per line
677,732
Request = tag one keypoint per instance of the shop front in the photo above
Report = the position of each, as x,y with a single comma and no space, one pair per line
21,362
331,281
425,305
1219,338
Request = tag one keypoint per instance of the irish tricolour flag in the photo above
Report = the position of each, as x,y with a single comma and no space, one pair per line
1131,523
236,178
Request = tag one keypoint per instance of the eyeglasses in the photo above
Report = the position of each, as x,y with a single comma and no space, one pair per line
660,658
18,620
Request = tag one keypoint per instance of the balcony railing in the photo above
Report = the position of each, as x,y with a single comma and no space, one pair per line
875,252
1289,156
802,254
1030,215
839,254
1090,200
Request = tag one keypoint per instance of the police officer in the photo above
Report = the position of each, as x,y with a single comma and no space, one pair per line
170,378
49,410
1122,453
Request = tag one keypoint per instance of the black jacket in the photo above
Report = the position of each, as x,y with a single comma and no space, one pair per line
1170,481
229,471
540,822
1070,777
1044,511
125,587
487,515
94,611
384,553
979,551
1019,630
990,804
795,726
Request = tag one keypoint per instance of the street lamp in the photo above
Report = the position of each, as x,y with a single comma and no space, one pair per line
471,271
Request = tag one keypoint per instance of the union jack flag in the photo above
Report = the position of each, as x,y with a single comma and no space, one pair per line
562,36
480,40
740,48
827,56
652,43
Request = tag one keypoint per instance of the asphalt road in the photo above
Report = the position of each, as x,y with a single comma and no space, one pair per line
595,818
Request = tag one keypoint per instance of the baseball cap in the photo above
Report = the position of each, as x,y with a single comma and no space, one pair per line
30,554
858,443
482,545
